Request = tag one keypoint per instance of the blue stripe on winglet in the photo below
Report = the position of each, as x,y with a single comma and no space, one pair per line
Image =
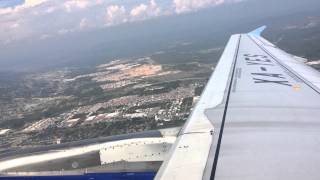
257,32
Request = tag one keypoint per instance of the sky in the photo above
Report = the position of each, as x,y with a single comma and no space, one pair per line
39,34
43,19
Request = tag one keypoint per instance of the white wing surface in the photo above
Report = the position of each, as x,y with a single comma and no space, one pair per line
258,118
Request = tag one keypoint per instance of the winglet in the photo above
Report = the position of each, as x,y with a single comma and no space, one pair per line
257,32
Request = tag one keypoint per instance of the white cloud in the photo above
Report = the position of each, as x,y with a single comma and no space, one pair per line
50,18
144,11
138,10
32,3
5,10
190,5
27,4
45,36
116,14
11,31
15,25
84,23
45,11
65,31
76,4
51,9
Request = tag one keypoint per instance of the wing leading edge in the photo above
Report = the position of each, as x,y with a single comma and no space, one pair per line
256,119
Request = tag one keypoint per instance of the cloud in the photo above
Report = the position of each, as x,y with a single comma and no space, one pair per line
76,4
116,14
51,9
182,6
144,11
48,18
27,4
84,23
10,3
15,25
44,36
138,10
65,31
32,3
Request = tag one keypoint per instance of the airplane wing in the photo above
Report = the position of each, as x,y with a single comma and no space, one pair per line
258,118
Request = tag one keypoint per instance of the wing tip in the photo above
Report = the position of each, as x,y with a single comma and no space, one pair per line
258,31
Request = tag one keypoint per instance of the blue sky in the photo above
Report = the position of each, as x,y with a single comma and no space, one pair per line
10,3
43,19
